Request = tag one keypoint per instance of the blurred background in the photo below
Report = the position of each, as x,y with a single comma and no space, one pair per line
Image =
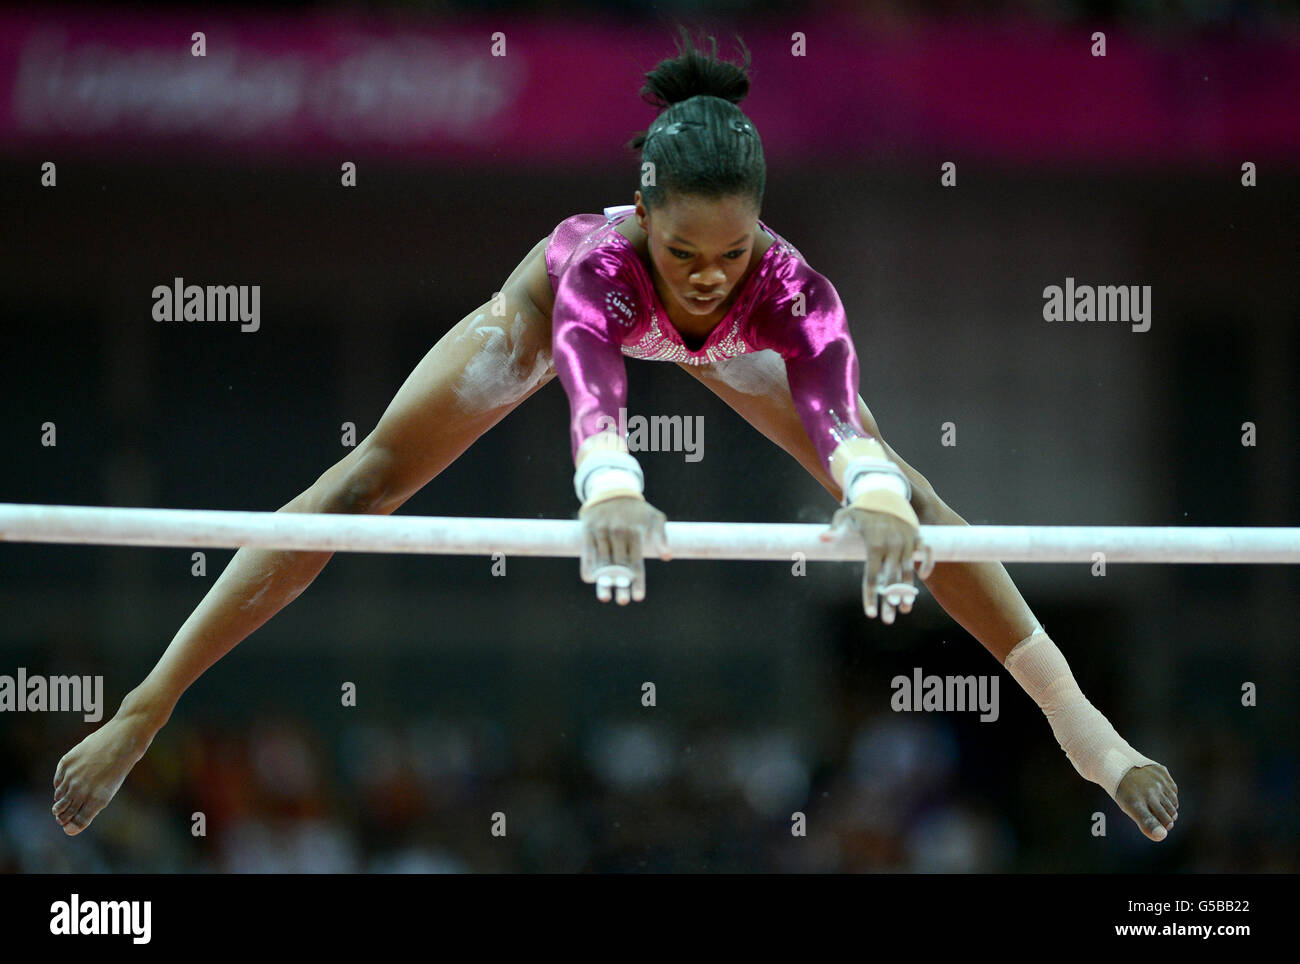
520,693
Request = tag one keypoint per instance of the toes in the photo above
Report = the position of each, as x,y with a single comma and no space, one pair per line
1162,813
77,822
1151,827
83,817
1152,819
65,806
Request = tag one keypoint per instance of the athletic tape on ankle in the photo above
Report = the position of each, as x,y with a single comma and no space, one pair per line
1092,745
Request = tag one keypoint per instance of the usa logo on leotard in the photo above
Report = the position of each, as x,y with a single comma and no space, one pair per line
618,309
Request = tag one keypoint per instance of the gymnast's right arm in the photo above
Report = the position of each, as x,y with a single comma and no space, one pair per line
591,302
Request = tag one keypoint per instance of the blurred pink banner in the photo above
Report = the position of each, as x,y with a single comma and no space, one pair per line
342,86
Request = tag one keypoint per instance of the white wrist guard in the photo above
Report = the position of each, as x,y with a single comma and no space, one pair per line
604,473
1099,753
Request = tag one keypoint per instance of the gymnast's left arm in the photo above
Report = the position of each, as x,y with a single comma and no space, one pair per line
803,320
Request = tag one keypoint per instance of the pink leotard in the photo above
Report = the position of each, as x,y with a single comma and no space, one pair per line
606,307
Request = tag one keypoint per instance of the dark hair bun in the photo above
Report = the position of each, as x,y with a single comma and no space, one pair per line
693,72
701,144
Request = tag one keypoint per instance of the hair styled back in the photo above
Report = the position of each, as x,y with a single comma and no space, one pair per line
701,143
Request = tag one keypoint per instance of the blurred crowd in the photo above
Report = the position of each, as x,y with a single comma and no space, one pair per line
894,793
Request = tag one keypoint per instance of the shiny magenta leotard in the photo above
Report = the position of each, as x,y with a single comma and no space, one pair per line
606,307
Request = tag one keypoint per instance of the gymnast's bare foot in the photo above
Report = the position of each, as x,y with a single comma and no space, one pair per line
90,774
1149,796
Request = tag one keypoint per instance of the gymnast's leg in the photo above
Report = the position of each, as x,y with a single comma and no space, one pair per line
980,596
472,378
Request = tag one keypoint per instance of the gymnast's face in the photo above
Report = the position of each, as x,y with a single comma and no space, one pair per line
699,248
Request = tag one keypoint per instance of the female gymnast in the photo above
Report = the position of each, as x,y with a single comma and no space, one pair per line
687,274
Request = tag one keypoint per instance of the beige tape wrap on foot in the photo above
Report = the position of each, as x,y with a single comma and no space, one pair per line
1097,751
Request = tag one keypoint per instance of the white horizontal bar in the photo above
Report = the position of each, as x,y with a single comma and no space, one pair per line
210,528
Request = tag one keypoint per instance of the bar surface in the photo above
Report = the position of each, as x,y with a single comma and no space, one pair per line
220,529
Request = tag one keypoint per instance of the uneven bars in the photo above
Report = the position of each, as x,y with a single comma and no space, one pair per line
220,529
